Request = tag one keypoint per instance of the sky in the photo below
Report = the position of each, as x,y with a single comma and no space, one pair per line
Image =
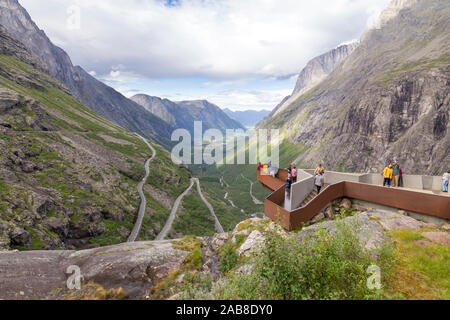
238,54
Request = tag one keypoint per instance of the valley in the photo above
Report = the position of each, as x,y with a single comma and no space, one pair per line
88,179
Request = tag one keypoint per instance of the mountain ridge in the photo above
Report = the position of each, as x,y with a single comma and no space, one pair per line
91,92
182,114
248,118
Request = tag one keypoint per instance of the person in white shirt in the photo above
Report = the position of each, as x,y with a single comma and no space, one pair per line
319,181
445,179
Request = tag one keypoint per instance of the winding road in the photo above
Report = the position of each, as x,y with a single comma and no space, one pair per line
255,200
219,228
176,205
223,182
137,226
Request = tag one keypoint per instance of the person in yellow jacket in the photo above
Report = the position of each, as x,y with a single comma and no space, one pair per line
388,175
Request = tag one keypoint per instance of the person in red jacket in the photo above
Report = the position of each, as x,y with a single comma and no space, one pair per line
260,166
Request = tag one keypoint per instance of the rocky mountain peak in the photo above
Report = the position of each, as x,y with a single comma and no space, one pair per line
320,67
392,11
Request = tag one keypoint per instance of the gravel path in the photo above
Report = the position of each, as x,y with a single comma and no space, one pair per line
176,205
137,227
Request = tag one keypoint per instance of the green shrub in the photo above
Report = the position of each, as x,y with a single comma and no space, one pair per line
326,266
228,258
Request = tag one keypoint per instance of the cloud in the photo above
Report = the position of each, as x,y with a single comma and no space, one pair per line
224,40
247,99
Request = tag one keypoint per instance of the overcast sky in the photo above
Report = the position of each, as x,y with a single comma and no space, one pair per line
239,54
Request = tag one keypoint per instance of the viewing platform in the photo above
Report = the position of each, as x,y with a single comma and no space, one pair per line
419,195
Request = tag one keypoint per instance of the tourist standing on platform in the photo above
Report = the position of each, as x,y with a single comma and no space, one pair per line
445,179
288,186
395,173
319,170
388,171
260,166
294,175
271,171
319,182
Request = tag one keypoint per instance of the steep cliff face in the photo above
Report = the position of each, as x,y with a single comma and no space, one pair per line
389,99
317,70
183,114
320,67
94,94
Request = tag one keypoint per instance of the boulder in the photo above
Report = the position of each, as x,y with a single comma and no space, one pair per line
446,226
134,267
246,269
392,221
370,232
20,237
57,226
219,241
28,167
346,204
46,207
329,213
253,243
431,226
318,218
359,207
442,238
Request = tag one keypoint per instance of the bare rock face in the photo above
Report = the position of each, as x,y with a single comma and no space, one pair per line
20,237
20,113
320,67
395,222
442,238
346,204
253,243
318,217
370,233
134,267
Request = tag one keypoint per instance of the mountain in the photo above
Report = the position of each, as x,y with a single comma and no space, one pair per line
315,72
390,98
183,114
69,177
89,91
248,118
320,67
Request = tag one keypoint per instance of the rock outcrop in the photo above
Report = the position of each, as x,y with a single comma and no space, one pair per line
139,270
134,267
320,67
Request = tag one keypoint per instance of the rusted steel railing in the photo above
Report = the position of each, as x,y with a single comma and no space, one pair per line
420,202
